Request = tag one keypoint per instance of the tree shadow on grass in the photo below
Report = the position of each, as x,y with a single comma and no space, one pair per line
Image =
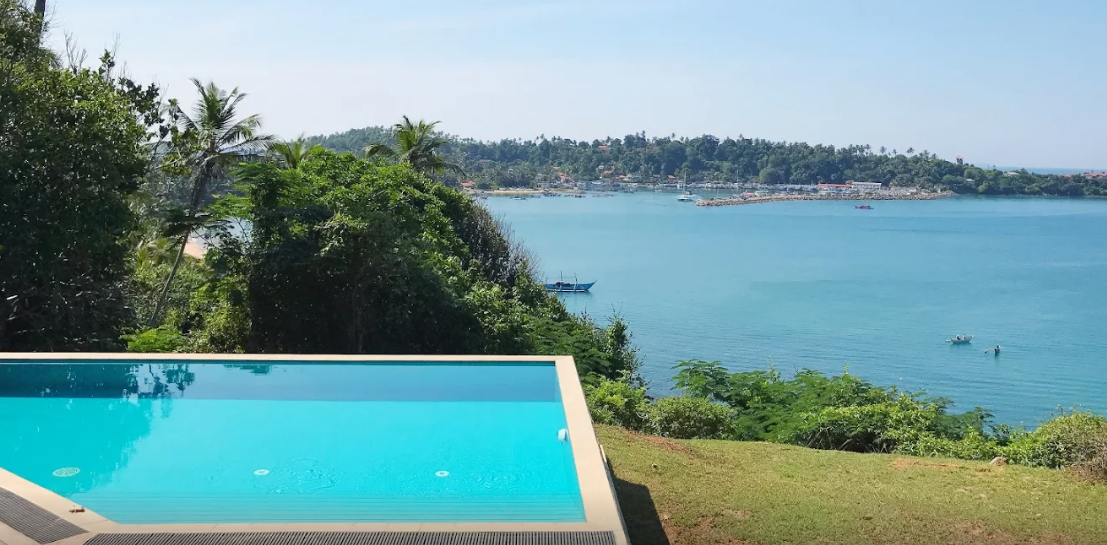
639,513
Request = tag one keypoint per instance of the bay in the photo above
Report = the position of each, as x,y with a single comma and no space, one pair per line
824,286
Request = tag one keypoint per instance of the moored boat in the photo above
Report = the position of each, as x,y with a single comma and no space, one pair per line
960,339
864,207
569,287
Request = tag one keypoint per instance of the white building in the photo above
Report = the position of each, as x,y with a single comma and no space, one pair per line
866,186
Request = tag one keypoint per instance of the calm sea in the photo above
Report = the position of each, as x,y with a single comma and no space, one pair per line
824,286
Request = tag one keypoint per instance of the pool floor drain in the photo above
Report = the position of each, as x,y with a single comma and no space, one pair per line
66,472
441,473
261,472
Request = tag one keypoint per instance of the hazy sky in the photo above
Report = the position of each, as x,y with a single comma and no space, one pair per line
1012,82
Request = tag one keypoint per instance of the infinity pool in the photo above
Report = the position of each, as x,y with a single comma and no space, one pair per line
156,442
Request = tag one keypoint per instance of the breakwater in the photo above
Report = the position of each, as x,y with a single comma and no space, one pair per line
884,196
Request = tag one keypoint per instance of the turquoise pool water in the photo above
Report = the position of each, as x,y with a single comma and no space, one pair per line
216,442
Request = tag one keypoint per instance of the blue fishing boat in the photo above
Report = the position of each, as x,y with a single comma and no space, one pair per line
569,287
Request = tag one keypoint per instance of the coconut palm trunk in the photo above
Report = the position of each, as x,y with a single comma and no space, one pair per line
221,141
40,10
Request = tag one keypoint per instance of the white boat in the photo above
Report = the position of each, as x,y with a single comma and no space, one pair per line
960,339
686,197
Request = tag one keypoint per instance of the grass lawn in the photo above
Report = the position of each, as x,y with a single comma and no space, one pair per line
685,492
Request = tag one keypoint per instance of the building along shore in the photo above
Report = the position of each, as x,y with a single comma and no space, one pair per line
912,195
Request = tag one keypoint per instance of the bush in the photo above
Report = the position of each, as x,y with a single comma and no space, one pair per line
1066,440
973,446
618,403
691,418
1094,469
160,340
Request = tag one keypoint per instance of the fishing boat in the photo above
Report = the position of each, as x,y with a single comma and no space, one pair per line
863,207
569,287
960,339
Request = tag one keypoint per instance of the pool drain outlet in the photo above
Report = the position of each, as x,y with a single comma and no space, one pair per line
66,472
261,472
441,473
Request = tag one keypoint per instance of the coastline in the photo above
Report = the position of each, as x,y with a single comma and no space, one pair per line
518,192
738,201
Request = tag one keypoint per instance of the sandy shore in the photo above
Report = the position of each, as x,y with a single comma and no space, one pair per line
738,201
194,249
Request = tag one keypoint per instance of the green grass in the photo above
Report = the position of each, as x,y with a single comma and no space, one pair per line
685,492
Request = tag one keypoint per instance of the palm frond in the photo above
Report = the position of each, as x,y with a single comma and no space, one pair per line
377,149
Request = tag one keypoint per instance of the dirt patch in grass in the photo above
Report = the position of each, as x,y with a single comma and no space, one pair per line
904,463
980,533
737,514
1052,539
663,442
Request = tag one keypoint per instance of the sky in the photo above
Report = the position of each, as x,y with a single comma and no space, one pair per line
1008,82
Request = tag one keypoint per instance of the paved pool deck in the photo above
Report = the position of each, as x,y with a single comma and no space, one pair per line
601,508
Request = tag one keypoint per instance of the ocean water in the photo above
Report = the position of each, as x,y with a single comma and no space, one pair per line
821,285
293,443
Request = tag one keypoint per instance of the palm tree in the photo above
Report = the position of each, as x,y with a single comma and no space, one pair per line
293,152
40,10
416,145
211,139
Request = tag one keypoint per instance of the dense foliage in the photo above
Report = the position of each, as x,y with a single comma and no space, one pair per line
72,150
102,185
843,412
514,163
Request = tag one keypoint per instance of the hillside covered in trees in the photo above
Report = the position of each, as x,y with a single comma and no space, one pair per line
636,157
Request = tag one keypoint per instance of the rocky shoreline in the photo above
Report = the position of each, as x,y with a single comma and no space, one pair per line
738,201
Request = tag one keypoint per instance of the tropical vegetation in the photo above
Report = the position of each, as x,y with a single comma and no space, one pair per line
105,183
636,158
843,412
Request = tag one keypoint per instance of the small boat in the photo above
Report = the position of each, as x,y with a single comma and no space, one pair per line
686,197
960,339
519,198
569,287
863,207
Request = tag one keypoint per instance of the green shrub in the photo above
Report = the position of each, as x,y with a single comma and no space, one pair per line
1063,441
618,403
159,340
691,418
1094,469
973,446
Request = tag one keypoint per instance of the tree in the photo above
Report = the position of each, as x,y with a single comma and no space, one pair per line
770,175
207,142
416,145
40,11
293,152
72,150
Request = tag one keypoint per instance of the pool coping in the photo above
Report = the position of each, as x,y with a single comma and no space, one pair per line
601,509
